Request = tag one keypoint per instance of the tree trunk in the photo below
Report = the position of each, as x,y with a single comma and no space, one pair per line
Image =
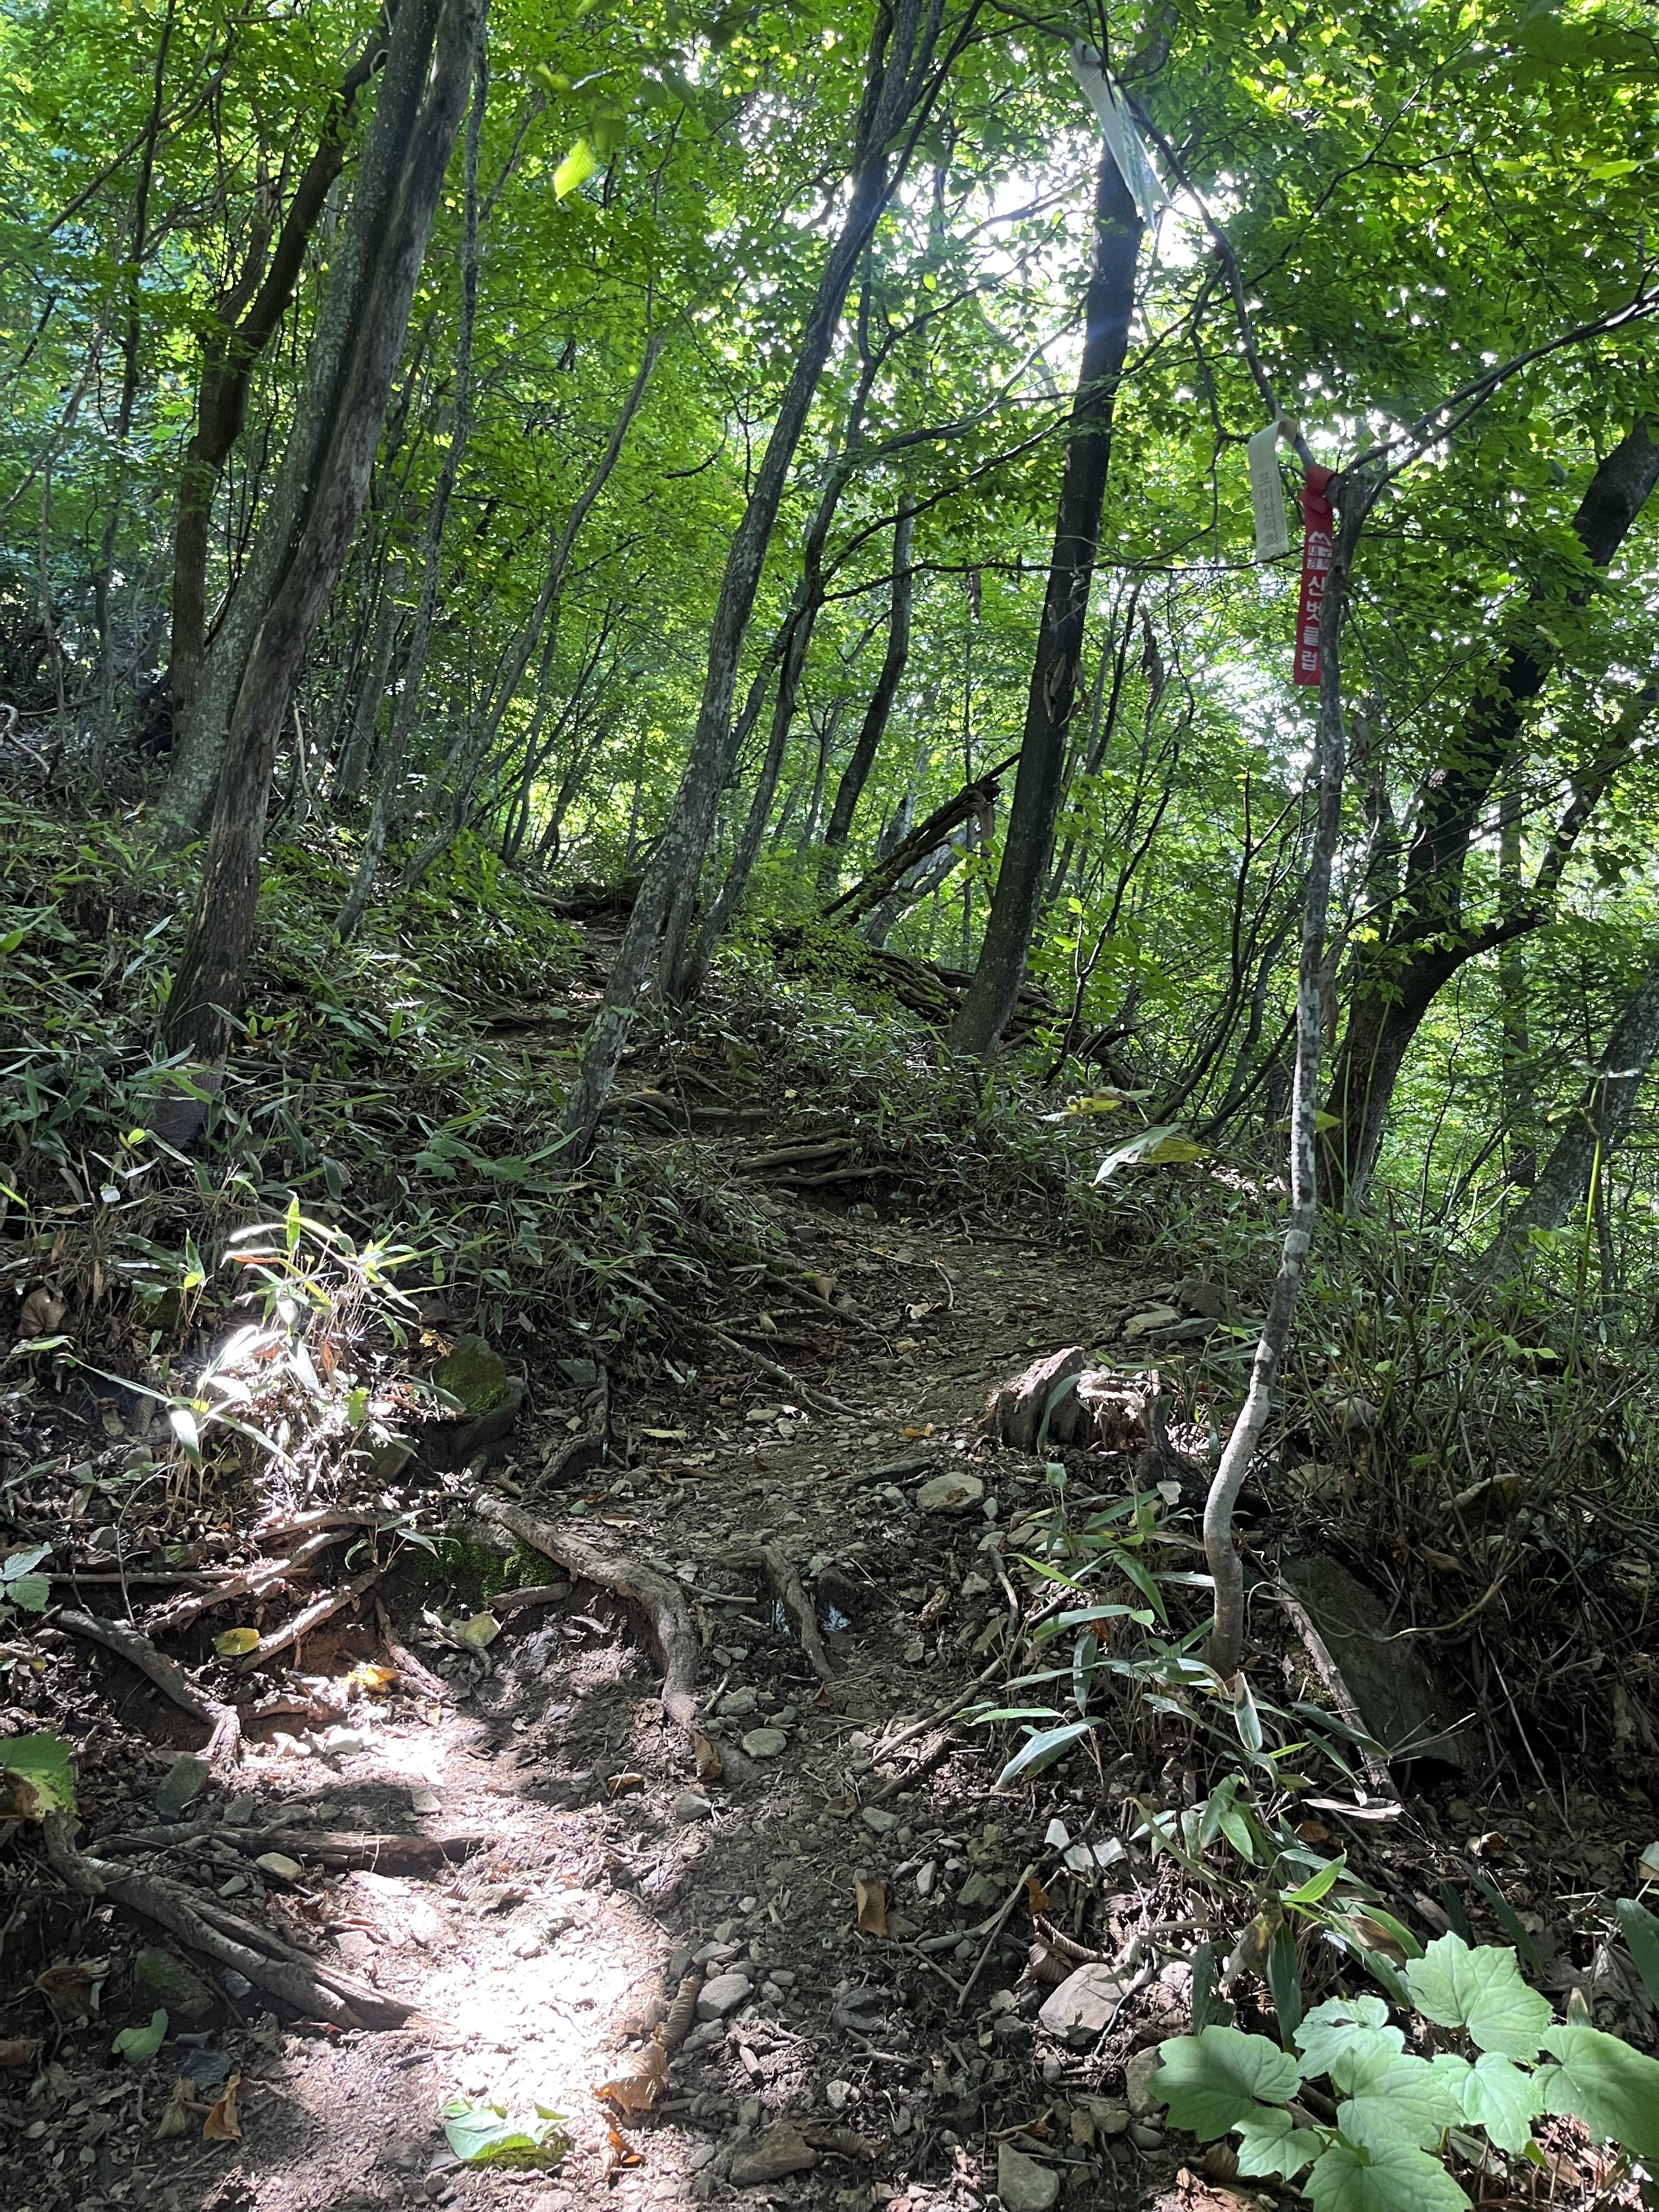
898,85
1426,941
1028,842
414,130
856,774
1597,1127
191,780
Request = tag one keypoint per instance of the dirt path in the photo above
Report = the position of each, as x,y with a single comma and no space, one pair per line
825,2067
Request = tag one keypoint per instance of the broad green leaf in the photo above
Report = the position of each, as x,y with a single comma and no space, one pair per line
236,1643
1212,2081
38,1776
482,1630
1043,1749
1641,1933
1502,2098
577,167
1270,2141
140,2044
1482,1991
1398,2178
19,1585
488,2135
1392,2098
1330,2025
1613,2089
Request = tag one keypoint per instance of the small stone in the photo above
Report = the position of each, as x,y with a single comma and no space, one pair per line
160,1979
1144,2137
740,1702
766,1743
1025,2185
692,1808
782,2149
1199,1297
1145,1324
950,1493
975,1585
181,1786
279,1866
1138,2076
979,1889
1110,2115
879,1820
723,1995
474,1373
1079,2009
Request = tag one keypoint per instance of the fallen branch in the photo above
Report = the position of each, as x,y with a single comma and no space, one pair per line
342,1848
135,1647
821,1400
780,1572
997,1926
661,1602
428,1684
310,1616
258,1580
516,1600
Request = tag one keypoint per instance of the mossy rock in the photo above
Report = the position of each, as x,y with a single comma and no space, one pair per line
475,1374
160,1979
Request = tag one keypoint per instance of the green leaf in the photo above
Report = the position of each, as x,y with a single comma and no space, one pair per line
1270,2141
19,1585
1392,2098
480,1630
1613,2089
1329,2026
1482,1991
487,2135
1043,1749
577,167
1500,2096
38,1776
1396,2180
140,2044
1284,1981
1212,2081
1315,1886
1641,1932
236,1643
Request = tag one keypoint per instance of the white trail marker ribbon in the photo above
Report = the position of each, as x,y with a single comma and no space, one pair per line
1117,129
1273,535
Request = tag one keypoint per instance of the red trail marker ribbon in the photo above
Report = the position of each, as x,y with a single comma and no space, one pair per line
1318,545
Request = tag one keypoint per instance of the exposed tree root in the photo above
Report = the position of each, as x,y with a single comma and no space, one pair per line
310,1616
257,1580
819,1399
781,1573
329,1847
662,1604
428,1684
135,1647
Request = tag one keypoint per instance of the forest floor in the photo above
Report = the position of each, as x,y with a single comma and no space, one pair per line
820,1863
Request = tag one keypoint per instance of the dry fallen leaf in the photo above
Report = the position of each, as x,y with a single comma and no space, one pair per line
16,2050
621,1784
620,2153
221,2125
638,2079
181,2114
70,1988
40,1314
1035,1895
871,1900
708,1757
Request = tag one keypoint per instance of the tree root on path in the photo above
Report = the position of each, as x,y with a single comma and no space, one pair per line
329,1847
662,1604
316,1991
310,1616
257,1580
784,1579
408,1666
135,1647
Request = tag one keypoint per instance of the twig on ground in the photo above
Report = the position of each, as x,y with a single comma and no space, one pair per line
997,1927
135,1647
819,1399
310,1617
329,1847
663,1605
428,1684
781,1573
516,1600
257,1581
948,1711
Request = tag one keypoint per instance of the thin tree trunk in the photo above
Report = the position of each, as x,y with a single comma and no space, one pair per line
856,774
1598,1126
898,89
1028,843
248,319
1226,1646
1426,941
358,756
414,132
388,793
1519,1105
